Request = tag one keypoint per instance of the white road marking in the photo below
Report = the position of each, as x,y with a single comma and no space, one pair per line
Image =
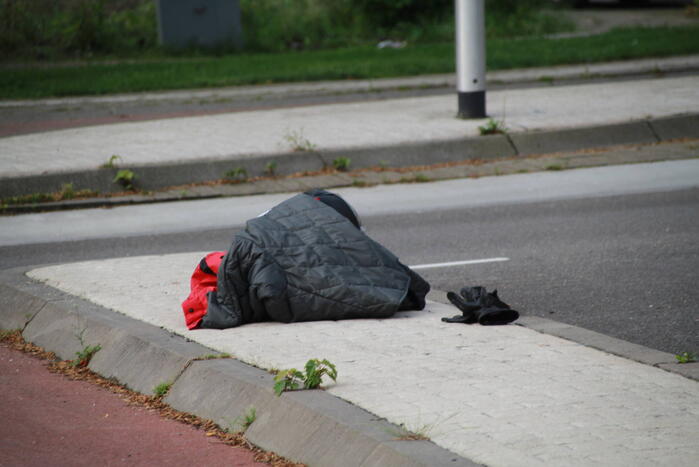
458,263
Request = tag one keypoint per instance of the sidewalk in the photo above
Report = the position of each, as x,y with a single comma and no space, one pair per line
387,133
509,395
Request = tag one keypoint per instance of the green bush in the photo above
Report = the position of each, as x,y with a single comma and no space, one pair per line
518,18
391,13
276,25
49,29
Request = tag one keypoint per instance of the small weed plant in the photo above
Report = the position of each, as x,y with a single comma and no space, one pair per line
686,357
249,417
271,168
418,435
111,162
161,389
239,174
125,178
214,356
242,423
292,379
5,333
415,178
492,127
66,192
554,167
298,142
83,357
342,164
419,431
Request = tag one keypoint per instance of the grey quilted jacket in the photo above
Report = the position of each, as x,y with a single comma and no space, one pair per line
303,261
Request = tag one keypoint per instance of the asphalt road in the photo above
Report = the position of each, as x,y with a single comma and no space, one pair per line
604,248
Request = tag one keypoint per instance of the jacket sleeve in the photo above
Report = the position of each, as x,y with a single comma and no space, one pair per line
268,286
228,306
224,309
419,287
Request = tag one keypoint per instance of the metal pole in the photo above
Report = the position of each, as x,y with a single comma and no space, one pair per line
470,57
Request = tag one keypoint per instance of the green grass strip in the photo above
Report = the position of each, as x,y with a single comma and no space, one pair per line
338,64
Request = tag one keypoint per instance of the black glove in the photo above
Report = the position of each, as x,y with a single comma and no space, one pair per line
494,311
479,306
468,305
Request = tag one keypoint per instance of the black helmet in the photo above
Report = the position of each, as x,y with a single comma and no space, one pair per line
337,203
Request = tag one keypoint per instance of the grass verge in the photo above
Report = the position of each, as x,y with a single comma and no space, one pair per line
27,82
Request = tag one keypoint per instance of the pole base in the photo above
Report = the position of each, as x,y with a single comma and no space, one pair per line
472,104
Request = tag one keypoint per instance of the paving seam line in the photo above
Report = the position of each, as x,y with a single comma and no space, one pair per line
313,427
489,147
655,133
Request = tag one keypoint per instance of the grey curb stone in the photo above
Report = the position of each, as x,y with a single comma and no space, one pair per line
313,427
425,153
18,308
158,176
582,138
142,357
66,325
309,426
676,127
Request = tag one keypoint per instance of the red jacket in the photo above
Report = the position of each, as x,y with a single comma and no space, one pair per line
203,281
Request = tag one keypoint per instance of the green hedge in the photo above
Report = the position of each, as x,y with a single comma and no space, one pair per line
57,29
